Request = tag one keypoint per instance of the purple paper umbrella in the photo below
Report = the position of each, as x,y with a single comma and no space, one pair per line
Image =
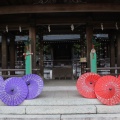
1,79
1,82
13,91
35,85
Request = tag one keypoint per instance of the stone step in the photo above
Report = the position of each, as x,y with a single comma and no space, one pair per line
84,109
91,117
58,102
62,117
60,110
29,117
46,110
59,88
61,101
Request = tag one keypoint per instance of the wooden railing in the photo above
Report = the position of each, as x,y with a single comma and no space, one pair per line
102,70
15,75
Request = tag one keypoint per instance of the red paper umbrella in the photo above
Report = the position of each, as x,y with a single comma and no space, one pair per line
107,90
119,77
86,83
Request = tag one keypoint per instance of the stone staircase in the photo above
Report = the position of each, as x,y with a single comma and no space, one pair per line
60,103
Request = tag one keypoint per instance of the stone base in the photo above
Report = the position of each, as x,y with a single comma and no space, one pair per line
62,117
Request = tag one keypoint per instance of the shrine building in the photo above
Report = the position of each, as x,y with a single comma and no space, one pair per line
60,34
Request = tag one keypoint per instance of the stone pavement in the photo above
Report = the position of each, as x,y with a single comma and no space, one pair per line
60,100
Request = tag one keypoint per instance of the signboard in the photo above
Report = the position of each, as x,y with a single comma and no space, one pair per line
83,59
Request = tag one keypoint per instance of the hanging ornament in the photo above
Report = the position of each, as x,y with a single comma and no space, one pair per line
116,25
20,29
6,28
102,26
72,27
49,28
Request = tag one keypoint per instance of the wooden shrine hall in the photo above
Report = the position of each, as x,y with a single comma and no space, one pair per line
94,21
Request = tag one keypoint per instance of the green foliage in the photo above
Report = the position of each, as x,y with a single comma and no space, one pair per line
27,42
95,43
76,48
37,46
47,49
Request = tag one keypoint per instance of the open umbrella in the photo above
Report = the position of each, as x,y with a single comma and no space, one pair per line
1,83
119,77
107,90
1,79
35,85
13,91
86,83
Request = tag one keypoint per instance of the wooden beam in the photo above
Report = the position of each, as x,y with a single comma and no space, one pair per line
12,54
32,36
118,49
112,50
57,8
62,32
25,26
16,21
61,20
4,53
41,55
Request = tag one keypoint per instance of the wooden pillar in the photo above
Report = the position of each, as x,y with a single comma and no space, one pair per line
41,57
89,35
118,50
32,37
112,51
83,52
82,46
12,54
4,53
